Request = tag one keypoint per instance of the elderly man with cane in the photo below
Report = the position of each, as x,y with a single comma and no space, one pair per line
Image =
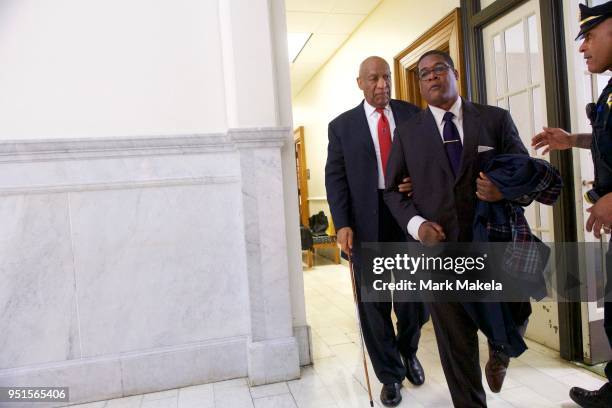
359,145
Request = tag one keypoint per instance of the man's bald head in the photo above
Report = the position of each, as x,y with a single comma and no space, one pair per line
367,63
375,81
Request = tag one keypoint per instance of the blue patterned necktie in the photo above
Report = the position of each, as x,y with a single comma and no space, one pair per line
452,142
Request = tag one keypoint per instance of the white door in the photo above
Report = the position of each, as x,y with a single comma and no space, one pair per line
515,81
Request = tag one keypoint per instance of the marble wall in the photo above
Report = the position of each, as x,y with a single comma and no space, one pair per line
137,265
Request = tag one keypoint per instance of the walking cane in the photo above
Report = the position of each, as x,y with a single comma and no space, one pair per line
365,364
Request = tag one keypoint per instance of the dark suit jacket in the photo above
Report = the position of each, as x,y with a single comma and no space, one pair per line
351,171
437,196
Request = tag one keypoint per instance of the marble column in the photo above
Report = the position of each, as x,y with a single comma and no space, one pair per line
272,350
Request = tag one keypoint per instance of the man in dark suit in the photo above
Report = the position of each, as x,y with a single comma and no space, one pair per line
359,146
439,149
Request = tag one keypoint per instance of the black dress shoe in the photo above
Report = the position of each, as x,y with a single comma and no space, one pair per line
601,398
390,395
495,369
414,370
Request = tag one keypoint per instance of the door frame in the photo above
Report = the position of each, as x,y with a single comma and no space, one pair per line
302,174
446,36
557,114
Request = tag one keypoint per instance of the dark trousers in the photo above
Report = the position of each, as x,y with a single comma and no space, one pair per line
457,338
386,346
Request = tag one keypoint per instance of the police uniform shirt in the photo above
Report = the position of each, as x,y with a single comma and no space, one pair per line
601,147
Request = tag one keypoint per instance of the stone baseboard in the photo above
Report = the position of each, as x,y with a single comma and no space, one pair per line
96,379
273,361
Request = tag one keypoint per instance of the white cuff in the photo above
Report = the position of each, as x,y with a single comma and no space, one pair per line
413,226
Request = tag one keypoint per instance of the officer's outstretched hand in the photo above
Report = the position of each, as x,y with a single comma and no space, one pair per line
552,139
601,216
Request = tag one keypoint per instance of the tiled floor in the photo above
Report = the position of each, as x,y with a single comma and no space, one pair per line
537,379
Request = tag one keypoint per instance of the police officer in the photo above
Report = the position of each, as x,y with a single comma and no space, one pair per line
596,32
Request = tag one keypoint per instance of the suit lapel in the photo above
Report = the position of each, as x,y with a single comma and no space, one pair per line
362,130
471,132
433,141
394,111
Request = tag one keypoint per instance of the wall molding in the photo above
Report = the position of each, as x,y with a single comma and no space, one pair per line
113,147
120,185
252,137
114,163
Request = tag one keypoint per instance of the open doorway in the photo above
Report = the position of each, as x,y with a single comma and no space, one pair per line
317,231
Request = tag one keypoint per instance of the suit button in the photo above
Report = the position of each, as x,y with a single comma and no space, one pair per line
374,212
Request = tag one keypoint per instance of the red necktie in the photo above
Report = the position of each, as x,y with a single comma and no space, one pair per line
384,138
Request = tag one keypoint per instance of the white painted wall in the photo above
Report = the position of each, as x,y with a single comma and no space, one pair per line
117,68
247,56
85,69
100,68
390,28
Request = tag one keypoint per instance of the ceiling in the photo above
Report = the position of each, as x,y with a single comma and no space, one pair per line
331,22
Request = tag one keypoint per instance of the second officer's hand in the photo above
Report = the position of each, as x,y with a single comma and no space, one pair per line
431,233
600,216
486,190
344,237
406,186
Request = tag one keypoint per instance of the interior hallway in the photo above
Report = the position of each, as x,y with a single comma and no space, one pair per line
537,379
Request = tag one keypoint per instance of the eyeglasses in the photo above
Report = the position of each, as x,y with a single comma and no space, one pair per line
439,69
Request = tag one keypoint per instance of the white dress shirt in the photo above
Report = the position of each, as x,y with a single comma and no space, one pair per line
373,116
415,222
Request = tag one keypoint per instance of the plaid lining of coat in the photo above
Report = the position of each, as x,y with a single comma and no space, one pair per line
522,258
